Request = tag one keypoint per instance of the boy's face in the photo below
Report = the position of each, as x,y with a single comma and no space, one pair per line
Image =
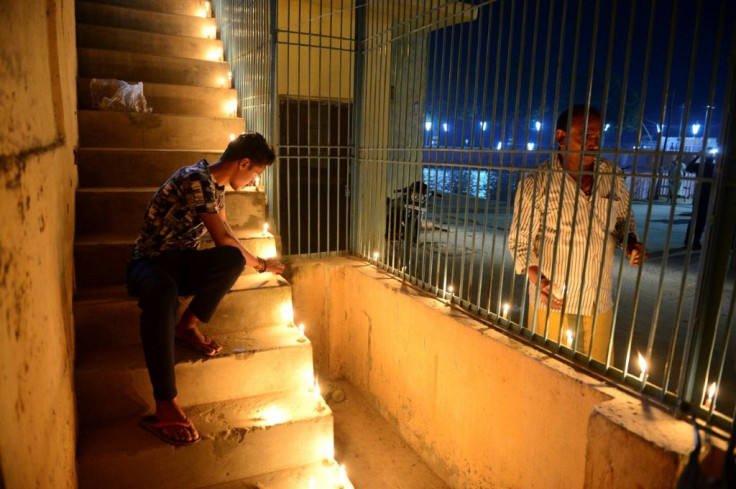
246,172
577,142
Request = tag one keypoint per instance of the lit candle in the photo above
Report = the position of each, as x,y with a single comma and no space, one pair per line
709,402
643,366
221,80
230,76
265,229
232,137
505,313
301,338
316,386
257,182
375,256
569,337
342,477
231,108
208,8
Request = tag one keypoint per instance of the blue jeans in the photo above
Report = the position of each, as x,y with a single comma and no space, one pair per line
158,282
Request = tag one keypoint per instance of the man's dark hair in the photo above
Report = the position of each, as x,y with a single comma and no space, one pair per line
250,145
577,111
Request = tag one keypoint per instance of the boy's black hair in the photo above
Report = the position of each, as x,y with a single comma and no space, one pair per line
250,145
577,111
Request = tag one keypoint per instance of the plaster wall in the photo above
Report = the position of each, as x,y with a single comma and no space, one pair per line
483,410
37,183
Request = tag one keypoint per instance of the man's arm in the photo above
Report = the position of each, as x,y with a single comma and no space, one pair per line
222,234
524,227
634,250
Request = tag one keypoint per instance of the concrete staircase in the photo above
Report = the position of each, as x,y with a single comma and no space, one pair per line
261,421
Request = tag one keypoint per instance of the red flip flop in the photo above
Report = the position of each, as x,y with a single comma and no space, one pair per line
153,425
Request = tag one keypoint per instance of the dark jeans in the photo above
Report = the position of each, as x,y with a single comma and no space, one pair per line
157,282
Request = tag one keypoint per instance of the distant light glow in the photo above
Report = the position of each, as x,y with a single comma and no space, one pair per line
499,145
483,125
530,146
538,125
427,126
713,151
659,128
444,126
696,129
606,127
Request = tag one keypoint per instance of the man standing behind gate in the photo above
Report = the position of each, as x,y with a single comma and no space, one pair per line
569,215
166,263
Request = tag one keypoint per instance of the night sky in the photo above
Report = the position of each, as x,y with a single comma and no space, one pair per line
645,62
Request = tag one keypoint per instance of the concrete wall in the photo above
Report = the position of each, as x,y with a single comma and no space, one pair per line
482,409
37,183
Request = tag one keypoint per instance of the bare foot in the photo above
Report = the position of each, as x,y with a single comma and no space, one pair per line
186,332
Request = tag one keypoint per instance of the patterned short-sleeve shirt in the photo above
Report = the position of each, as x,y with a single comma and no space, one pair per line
171,221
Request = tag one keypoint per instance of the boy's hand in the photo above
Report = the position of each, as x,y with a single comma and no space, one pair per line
274,266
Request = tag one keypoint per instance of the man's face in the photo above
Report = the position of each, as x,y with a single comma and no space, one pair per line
580,139
247,172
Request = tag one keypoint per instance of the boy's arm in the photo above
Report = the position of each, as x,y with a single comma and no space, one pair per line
222,234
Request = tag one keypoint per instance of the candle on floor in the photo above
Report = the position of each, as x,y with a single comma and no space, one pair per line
710,400
505,311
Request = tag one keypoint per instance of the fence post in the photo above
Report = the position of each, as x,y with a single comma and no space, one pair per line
714,261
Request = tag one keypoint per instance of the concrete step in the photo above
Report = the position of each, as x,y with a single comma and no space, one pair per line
321,475
113,383
134,41
105,167
194,8
107,317
176,99
112,129
119,211
88,12
104,63
99,260
241,439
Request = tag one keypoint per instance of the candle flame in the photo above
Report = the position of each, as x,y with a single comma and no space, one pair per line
232,137
505,309
316,386
450,289
642,363
375,255
265,228
711,392
229,75
301,329
287,312
569,337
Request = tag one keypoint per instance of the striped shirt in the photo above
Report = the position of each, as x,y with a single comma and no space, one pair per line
571,235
